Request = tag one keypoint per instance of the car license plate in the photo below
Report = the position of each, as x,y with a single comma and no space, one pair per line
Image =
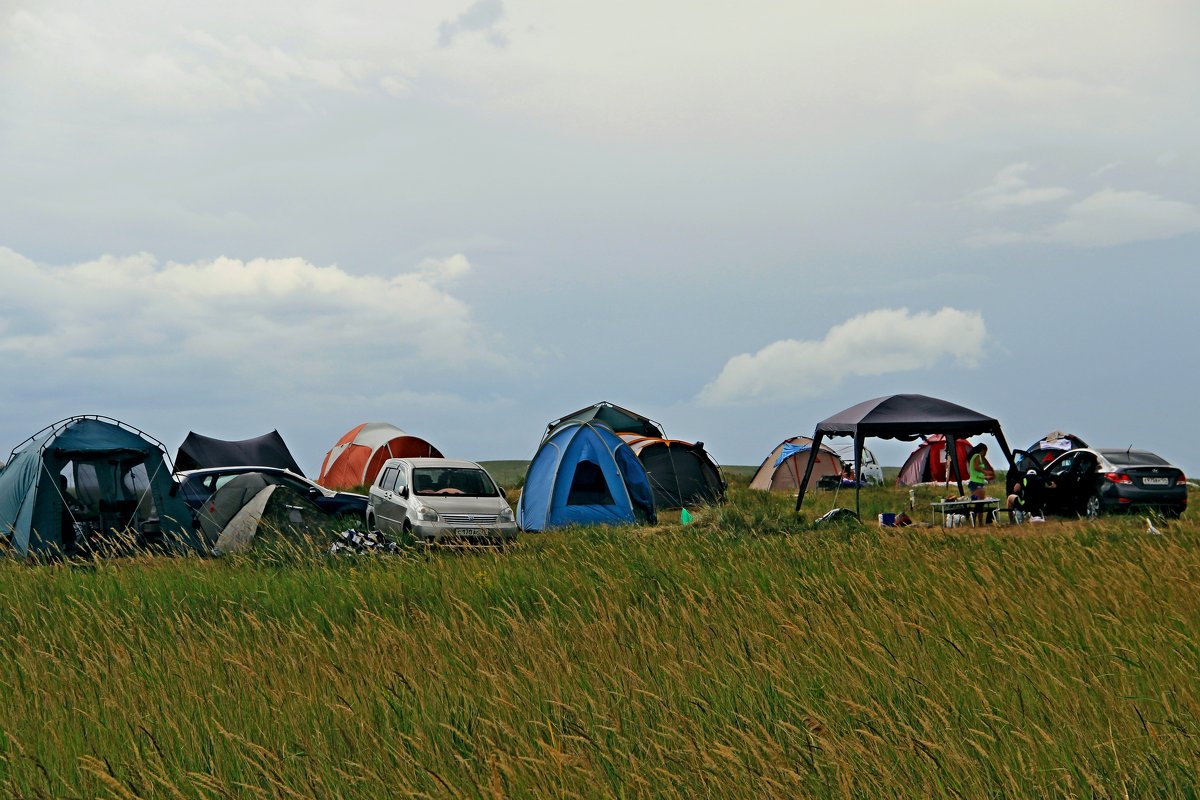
1156,481
468,531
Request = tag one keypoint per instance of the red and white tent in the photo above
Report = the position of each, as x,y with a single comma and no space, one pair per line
359,455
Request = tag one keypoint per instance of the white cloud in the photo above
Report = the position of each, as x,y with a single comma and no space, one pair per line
1010,188
627,67
876,343
225,327
1111,217
1107,217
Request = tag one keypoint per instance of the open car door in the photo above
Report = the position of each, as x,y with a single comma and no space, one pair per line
1074,476
1035,485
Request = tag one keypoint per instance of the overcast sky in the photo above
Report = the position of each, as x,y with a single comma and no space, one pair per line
468,219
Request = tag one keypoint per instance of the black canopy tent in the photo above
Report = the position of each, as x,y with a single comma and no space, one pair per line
905,417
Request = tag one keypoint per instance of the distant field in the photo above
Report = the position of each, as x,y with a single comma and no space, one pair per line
747,655
510,474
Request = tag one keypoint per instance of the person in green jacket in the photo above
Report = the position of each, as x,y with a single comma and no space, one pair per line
977,470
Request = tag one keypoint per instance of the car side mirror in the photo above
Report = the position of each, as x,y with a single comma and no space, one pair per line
402,491
314,491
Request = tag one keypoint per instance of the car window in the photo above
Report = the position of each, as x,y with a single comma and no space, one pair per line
401,479
1134,458
1024,462
1084,464
456,481
217,481
292,483
388,479
1063,464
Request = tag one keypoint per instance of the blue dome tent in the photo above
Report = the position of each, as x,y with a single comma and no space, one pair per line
584,474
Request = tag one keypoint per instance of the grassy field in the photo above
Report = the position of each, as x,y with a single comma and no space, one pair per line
745,655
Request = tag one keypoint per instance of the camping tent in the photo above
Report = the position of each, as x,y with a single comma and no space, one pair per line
359,455
680,473
621,420
231,518
583,474
781,470
931,462
86,480
268,450
227,502
905,417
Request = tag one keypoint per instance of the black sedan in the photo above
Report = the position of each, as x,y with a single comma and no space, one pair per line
1088,482
197,485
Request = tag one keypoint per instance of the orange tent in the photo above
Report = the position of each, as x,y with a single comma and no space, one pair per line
359,455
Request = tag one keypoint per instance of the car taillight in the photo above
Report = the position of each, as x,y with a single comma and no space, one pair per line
1182,480
1118,477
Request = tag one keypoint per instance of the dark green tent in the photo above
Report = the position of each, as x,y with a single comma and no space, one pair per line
621,420
88,479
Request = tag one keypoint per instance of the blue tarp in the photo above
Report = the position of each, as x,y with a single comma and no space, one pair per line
584,474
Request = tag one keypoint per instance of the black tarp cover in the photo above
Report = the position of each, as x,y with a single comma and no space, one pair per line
268,450
621,420
905,417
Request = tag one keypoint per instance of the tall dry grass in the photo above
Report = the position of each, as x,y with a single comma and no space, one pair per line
747,655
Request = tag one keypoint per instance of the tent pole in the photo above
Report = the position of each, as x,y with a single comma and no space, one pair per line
808,468
953,442
1007,457
858,447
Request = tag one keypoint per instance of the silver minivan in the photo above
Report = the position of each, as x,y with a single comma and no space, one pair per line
437,500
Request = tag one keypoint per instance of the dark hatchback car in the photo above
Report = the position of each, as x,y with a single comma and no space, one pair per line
197,485
1088,482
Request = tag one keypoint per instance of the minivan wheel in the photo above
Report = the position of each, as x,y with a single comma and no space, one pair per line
1091,509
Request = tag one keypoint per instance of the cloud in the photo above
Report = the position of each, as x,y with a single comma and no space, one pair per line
876,343
480,17
226,327
1111,217
1107,217
1010,188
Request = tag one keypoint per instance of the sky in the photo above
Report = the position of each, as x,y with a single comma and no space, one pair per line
470,218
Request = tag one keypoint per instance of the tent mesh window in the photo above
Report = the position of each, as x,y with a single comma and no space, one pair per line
588,486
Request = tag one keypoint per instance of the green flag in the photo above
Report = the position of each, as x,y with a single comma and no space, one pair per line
685,517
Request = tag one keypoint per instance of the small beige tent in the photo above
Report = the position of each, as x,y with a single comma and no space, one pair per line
782,470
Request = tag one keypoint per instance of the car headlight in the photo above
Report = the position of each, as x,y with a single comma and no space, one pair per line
505,516
426,514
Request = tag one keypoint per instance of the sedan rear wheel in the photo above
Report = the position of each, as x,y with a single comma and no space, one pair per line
1091,508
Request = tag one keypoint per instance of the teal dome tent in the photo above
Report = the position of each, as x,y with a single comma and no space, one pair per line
86,480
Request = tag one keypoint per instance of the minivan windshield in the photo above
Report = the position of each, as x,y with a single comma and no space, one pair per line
453,481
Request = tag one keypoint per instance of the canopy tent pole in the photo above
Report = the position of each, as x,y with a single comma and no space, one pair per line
808,468
953,442
858,448
1007,457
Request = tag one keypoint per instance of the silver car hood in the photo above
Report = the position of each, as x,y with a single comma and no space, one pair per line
449,504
